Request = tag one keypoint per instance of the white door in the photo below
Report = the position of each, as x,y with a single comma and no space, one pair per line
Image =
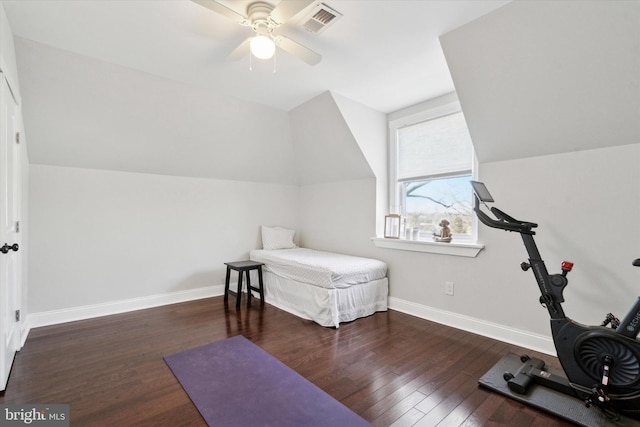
9,229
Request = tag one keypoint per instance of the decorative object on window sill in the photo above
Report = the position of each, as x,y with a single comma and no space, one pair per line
411,233
444,235
392,226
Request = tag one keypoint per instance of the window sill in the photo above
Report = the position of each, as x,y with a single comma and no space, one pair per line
469,250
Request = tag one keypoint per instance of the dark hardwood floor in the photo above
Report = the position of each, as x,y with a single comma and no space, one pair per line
391,368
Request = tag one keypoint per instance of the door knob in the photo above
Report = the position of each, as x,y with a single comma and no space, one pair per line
6,248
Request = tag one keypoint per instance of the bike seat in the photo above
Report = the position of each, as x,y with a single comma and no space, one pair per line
636,262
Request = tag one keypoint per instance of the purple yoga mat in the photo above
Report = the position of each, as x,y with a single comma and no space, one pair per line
233,382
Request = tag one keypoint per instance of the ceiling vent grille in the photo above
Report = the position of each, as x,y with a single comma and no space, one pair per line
320,17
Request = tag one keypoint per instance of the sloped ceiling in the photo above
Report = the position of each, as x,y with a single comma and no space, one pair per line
546,77
369,128
325,148
145,86
82,112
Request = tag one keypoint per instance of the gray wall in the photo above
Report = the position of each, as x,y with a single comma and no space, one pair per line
106,236
586,204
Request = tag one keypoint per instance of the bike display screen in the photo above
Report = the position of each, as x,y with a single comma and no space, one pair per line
481,191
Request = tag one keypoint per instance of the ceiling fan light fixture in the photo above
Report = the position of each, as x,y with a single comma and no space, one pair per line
262,47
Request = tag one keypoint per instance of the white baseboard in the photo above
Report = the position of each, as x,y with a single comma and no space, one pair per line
54,317
24,332
496,331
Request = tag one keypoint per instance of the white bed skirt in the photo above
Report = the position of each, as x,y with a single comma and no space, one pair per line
327,307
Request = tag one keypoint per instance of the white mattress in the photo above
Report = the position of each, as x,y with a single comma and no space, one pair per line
323,269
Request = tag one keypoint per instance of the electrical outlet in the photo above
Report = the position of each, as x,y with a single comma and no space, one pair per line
448,288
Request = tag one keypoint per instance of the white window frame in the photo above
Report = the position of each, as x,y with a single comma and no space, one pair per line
438,107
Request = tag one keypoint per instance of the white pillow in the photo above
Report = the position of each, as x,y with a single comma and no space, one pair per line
277,238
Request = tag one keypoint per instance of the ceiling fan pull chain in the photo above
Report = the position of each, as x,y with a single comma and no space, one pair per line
250,62
275,55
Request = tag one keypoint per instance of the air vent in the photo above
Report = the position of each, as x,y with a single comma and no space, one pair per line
320,17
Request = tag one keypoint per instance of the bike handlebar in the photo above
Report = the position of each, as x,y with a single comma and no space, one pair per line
504,221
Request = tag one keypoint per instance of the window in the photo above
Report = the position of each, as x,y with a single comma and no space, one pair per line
432,161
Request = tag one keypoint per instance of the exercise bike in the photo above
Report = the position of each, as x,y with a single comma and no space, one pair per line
601,363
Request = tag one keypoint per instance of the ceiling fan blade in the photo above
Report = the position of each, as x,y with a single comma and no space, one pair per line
297,50
287,9
240,51
223,10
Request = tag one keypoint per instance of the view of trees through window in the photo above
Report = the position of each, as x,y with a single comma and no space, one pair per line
428,202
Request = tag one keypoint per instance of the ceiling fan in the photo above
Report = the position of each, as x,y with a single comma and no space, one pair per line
264,18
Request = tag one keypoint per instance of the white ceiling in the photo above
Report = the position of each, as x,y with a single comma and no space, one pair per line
383,54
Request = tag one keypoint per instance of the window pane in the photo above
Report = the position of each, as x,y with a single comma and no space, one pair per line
430,201
434,147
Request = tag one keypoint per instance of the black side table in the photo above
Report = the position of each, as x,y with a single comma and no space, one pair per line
244,267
